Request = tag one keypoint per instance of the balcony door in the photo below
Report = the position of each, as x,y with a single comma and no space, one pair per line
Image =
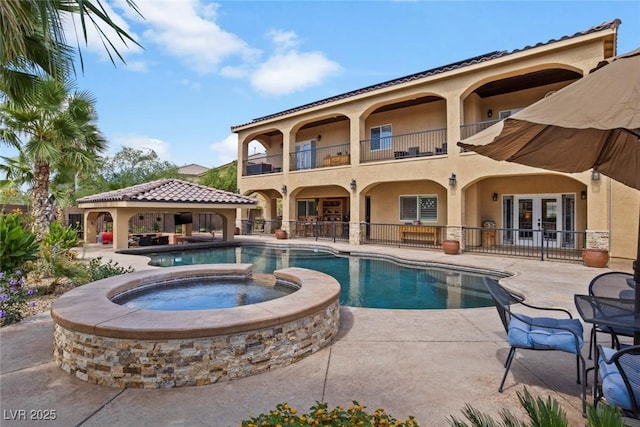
305,154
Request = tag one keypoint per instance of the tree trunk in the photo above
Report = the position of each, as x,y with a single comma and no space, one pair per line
39,199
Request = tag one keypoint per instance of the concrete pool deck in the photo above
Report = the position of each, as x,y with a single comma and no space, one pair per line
428,364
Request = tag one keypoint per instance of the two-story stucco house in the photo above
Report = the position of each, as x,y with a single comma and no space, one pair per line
380,164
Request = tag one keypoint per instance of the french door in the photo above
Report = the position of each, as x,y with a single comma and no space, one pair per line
542,217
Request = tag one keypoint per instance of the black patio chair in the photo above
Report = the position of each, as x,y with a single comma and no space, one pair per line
613,284
538,333
619,373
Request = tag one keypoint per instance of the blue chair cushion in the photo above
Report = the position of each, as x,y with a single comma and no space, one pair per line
523,335
613,388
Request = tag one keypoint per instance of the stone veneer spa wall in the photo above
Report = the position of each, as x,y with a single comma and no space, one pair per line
104,343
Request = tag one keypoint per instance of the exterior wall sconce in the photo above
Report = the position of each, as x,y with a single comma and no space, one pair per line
583,195
353,185
595,175
490,113
494,197
452,180
284,189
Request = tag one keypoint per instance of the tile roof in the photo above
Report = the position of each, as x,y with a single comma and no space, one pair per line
170,191
192,169
434,71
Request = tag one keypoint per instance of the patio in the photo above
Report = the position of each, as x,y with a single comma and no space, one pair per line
423,363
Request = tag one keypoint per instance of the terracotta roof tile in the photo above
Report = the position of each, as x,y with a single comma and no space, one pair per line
434,71
170,191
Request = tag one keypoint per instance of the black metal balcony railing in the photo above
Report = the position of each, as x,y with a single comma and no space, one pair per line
267,164
320,157
471,129
560,245
416,144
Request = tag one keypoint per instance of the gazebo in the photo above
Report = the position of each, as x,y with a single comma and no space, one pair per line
161,196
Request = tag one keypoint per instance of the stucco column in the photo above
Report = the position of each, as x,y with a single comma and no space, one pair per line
286,149
598,213
90,227
455,193
286,214
356,215
228,223
356,125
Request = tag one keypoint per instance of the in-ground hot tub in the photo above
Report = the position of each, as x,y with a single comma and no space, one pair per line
105,343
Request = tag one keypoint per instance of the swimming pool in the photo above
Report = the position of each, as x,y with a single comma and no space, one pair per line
370,282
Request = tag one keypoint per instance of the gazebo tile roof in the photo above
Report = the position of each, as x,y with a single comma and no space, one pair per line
170,190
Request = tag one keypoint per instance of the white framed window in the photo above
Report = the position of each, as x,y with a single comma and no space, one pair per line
381,137
419,208
307,208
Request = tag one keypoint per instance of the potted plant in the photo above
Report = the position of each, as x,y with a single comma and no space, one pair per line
281,234
451,247
598,258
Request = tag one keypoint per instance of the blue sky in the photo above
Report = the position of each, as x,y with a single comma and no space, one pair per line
207,66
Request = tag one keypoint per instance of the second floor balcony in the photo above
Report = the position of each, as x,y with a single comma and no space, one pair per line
432,142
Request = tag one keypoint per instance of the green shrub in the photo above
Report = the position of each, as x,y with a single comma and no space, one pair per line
17,245
14,297
96,270
60,238
321,415
57,260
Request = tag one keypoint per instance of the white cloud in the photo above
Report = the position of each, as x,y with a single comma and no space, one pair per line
288,70
226,150
142,142
187,30
292,72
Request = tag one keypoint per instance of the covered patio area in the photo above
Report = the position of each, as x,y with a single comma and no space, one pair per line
181,198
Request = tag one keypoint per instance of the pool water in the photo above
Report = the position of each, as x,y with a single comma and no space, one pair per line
364,282
200,294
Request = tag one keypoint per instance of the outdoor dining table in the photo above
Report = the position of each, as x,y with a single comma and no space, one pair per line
614,313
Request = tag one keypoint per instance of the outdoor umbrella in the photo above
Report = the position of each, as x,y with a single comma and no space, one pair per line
593,123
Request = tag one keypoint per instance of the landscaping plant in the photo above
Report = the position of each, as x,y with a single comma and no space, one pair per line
542,413
14,297
321,415
17,249
96,270
17,244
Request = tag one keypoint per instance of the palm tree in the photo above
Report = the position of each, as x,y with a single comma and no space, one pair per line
59,125
33,43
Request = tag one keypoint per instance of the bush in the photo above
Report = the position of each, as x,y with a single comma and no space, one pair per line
57,260
17,246
96,270
321,415
14,297
61,238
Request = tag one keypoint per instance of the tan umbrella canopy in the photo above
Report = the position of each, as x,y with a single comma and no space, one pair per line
593,123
